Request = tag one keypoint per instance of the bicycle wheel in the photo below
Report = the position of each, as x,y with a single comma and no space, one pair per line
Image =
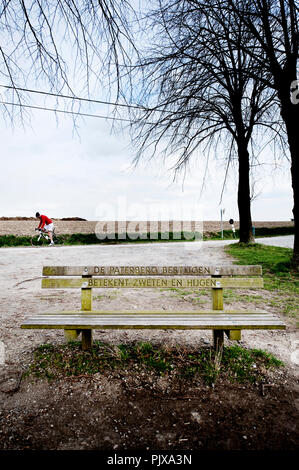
39,240
58,239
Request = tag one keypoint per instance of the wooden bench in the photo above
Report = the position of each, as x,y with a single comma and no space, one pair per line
215,278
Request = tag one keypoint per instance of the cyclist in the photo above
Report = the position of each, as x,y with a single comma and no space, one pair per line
46,224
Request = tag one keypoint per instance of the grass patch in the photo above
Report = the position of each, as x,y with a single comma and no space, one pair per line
279,279
69,360
91,238
231,296
12,240
234,363
274,231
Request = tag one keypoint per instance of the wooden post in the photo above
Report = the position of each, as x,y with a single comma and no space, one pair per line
86,296
86,340
217,298
218,337
233,335
71,335
86,306
217,301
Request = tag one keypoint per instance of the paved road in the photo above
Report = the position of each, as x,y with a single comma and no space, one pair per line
286,241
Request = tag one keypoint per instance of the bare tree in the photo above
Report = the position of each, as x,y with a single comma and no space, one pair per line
275,26
198,93
41,39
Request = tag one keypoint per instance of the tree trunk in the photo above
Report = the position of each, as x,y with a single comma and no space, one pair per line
245,229
290,115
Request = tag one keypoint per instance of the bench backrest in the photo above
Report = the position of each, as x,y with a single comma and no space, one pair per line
193,277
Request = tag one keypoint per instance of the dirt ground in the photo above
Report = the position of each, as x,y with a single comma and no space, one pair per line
26,227
118,411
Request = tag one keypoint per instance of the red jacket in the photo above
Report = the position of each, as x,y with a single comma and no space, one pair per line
44,221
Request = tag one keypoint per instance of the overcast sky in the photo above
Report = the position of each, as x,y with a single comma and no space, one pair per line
46,167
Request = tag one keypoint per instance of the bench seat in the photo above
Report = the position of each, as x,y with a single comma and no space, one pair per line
221,320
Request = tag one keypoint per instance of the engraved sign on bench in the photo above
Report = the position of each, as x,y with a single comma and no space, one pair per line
152,270
129,283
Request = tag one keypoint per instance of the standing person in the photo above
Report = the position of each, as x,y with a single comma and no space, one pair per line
46,224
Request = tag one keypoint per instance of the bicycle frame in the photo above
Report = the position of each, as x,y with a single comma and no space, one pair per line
42,234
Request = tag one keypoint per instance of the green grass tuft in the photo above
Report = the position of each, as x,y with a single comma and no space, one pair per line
91,238
12,240
235,363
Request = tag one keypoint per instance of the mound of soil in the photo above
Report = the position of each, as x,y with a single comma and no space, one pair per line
17,218
73,218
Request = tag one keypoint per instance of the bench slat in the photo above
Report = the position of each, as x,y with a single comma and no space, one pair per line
252,270
152,283
178,318
221,321
154,312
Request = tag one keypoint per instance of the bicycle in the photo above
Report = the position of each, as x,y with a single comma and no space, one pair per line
42,238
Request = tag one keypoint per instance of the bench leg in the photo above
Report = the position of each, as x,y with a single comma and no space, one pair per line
233,335
86,339
71,335
218,336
